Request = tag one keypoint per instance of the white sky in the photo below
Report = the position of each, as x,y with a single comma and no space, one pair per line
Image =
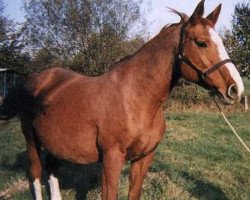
158,16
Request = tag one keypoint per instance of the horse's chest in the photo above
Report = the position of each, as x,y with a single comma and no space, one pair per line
146,142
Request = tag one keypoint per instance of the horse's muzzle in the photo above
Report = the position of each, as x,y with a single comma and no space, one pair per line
232,91
230,98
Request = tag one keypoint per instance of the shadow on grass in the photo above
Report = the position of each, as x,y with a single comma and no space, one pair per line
203,190
198,188
80,178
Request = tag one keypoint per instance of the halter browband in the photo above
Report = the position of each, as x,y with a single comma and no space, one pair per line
183,58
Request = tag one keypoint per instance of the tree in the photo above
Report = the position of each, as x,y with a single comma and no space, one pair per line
237,41
11,55
3,23
88,35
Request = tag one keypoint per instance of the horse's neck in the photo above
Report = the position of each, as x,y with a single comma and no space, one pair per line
153,65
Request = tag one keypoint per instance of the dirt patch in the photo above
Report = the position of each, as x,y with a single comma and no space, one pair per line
17,186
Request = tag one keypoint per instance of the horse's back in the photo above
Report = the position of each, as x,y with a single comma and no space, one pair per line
42,83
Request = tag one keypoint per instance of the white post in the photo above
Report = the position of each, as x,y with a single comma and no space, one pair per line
246,102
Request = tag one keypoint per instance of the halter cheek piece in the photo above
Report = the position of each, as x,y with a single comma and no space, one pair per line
203,75
183,58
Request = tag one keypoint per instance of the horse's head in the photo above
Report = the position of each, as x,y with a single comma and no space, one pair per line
203,57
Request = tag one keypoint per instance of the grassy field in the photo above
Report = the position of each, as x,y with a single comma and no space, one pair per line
199,158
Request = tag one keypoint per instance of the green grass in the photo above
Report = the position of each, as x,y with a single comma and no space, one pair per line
199,158
247,85
203,158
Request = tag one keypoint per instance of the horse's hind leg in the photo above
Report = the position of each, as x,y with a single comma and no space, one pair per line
33,150
51,168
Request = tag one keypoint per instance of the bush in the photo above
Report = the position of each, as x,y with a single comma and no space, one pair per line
187,95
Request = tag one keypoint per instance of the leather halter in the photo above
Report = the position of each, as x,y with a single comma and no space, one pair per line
183,58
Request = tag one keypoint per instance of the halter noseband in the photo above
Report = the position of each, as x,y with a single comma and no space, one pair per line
183,58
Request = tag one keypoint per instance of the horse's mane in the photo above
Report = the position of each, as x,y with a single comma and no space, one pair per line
183,17
127,57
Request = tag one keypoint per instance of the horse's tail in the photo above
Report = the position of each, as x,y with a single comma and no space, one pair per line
18,100
11,105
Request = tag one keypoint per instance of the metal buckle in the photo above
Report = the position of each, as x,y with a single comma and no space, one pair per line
204,76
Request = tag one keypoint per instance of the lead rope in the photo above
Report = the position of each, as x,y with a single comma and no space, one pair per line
230,125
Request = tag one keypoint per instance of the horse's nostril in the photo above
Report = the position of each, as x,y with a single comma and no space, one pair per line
233,91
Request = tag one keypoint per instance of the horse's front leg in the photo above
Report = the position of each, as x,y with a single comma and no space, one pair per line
113,161
138,171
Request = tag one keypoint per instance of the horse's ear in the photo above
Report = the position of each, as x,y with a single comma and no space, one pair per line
213,16
198,13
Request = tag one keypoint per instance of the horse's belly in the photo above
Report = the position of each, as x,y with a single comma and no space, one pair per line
74,143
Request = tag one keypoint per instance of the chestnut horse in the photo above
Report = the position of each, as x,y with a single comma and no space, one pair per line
118,116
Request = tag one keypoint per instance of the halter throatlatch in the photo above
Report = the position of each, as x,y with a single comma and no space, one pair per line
183,58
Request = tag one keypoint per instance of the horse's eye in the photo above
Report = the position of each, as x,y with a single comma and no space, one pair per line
201,44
